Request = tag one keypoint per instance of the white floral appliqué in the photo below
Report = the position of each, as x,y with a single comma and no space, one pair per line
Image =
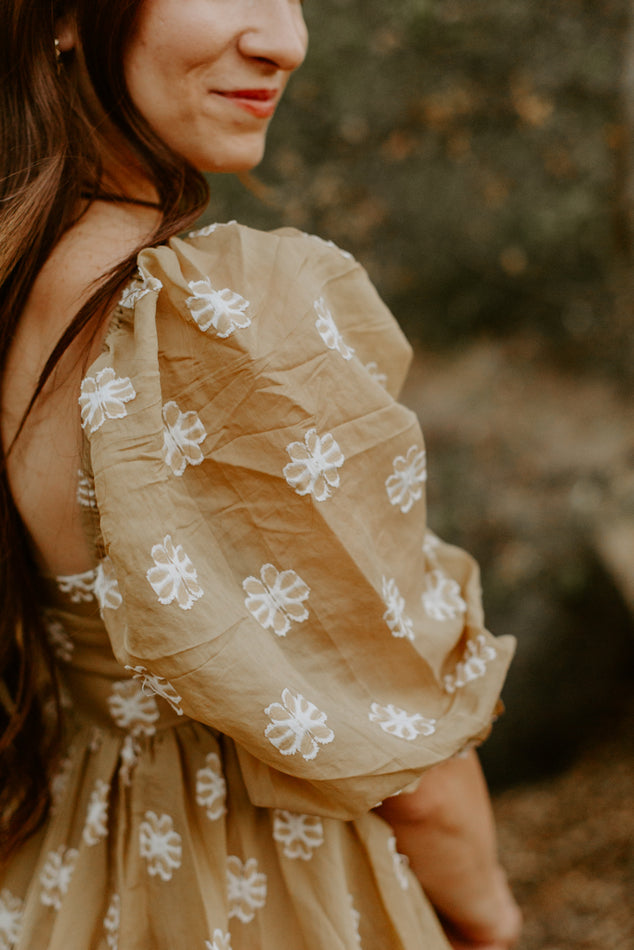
173,576
106,586
139,288
132,709
325,243
300,835
86,490
478,654
441,597
209,229
329,331
297,726
183,433
211,788
59,781
431,544
112,921
79,588
398,722
405,485
11,910
221,941
157,685
56,875
104,397
96,826
160,845
224,310
395,617
375,373
400,863
246,888
277,599
314,465
59,640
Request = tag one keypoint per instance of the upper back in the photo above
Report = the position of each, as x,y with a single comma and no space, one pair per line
44,462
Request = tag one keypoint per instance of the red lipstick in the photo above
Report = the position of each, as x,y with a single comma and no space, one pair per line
259,102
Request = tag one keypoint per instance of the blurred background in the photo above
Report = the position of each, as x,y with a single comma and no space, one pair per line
477,156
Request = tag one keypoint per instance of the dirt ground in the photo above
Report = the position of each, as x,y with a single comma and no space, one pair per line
568,846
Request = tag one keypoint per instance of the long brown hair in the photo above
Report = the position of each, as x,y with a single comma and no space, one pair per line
49,163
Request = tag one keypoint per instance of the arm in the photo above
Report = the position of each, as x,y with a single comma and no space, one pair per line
446,829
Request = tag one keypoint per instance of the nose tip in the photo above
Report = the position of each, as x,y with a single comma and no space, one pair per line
281,38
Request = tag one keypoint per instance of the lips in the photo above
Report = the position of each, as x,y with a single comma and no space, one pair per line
259,95
259,102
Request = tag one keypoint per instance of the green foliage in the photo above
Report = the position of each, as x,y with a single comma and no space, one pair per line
465,151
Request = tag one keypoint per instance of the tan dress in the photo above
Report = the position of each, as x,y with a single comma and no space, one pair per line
270,642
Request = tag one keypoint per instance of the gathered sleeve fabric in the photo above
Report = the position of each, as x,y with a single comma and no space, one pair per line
266,566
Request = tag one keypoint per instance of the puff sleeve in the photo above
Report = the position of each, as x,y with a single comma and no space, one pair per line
266,566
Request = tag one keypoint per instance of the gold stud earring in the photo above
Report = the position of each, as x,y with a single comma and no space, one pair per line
58,55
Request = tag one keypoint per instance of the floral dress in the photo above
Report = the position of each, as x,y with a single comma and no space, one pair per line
270,642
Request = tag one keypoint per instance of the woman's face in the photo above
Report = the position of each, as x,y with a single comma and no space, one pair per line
208,74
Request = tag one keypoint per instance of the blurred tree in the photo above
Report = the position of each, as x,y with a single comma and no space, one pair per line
465,151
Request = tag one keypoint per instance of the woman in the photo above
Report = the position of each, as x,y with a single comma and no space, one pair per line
226,636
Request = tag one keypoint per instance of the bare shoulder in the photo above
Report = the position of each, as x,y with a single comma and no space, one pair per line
104,237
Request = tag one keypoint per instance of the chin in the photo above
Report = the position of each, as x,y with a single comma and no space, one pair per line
231,161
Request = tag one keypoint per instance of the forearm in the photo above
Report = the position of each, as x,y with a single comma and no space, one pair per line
447,831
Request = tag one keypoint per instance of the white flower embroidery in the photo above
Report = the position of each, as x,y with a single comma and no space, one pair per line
375,373
132,709
112,922
137,289
221,941
104,397
313,469
160,845
277,599
11,910
86,490
61,644
405,485
395,617
400,863
174,577
329,331
59,781
315,237
128,757
224,310
209,229
96,826
246,888
398,722
96,739
183,433
431,543
441,597
297,726
106,586
211,788
56,876
80,588
478,654
157,685
356,920
299,834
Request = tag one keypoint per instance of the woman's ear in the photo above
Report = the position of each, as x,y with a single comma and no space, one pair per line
65,34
